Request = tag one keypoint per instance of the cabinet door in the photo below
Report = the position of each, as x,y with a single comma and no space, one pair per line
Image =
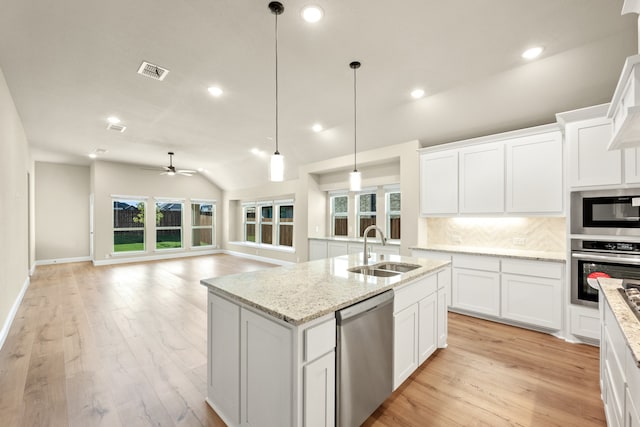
317,249
632,166
533,300
534,174
427,327
336,249
590,163
266,359
632,416
319,392
224,357
444,282
439,183
443,317
482,178
477,291
405,344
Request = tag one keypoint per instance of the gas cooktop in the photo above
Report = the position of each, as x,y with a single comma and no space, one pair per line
631,293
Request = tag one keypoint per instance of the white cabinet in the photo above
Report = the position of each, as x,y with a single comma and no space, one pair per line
427,327
584,322
476,284
266,360
337,248
317,249
415,326
632,166
632,405
319,392
534,174
224,358
482,178
439,183
405,344
532,293
590,163
632,415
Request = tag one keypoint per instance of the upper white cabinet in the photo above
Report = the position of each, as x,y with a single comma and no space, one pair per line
590,163
517,173
439,182
632,166
534,174
482,178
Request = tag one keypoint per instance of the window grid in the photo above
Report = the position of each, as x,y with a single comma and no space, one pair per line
128,225
285,224
340,215
269,223
249,213
168,225
203,224
366,203
393,203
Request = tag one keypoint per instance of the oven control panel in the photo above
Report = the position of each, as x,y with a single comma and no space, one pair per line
604,246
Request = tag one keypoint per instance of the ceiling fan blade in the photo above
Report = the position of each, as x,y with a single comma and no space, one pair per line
186,171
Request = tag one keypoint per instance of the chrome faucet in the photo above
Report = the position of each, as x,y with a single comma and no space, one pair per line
367,250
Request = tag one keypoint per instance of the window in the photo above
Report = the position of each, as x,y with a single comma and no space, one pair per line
203,224
266,224
285,224
128,225
366,211
168,225
339,215
249,223
393,214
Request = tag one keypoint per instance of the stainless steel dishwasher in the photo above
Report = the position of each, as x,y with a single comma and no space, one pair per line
364,362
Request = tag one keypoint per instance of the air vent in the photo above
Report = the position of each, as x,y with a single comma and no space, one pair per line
153,71
115,127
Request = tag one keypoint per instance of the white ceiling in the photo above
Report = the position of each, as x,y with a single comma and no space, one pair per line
72,63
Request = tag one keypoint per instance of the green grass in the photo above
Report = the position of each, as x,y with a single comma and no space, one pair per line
128,247
168,245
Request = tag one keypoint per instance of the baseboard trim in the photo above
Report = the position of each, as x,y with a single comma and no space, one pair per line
4,333
258,258
62,260
155,257
32,269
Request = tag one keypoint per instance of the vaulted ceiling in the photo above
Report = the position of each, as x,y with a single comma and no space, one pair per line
70,64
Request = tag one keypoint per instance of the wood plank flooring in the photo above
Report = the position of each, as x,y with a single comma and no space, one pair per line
125,345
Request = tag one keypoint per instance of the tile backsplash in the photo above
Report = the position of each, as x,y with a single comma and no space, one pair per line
536,234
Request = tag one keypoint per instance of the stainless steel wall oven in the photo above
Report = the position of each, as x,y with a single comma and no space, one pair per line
591,259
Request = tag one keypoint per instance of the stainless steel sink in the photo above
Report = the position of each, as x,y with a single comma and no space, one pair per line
373,271
400,267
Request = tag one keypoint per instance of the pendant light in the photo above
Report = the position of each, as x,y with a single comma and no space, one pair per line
277,159
355,178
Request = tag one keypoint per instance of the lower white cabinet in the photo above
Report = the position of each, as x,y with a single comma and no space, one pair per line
337,249
444,299
317,249
417,323
262,372
476,290
320,248
584,322
632,415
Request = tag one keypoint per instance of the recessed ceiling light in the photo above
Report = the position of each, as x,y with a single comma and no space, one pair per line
532,53
312,13
417,93
200,169
93,155
215,91
113,120
317,127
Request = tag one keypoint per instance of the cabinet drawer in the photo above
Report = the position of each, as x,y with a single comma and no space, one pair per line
551,270
414,292
319,339
474,262
633,377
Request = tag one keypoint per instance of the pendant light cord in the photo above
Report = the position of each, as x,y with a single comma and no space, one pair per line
277,152
355,118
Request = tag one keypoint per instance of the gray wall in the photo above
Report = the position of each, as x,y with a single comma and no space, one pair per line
15,252
61,211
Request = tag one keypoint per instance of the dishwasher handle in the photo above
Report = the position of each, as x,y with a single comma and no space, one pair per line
364,306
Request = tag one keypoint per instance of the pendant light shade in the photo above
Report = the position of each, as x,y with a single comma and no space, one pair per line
355,178
276,169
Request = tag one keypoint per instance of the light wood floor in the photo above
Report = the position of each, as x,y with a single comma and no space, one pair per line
125,345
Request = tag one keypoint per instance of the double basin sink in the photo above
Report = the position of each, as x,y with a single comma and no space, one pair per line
384,269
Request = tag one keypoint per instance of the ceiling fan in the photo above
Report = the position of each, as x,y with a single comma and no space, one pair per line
171,170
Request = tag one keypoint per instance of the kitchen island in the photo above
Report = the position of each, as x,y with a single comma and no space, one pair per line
272,334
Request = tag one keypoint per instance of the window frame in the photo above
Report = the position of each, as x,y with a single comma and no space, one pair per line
245,222
389,213
359,213
137,200
212,227
333,214
158,201
278,222
262,222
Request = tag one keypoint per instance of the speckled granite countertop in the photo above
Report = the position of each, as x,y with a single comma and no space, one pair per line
302,292
505,253
628,322
374,240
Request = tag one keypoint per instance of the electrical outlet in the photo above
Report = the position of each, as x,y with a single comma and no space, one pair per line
456,238
519,241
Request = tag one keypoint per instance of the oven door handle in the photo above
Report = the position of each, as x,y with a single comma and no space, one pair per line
594,257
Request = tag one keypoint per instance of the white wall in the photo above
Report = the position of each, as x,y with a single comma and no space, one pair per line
118,179
16,253
61,211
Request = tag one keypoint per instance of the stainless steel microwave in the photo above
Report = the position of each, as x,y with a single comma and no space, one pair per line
606,212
